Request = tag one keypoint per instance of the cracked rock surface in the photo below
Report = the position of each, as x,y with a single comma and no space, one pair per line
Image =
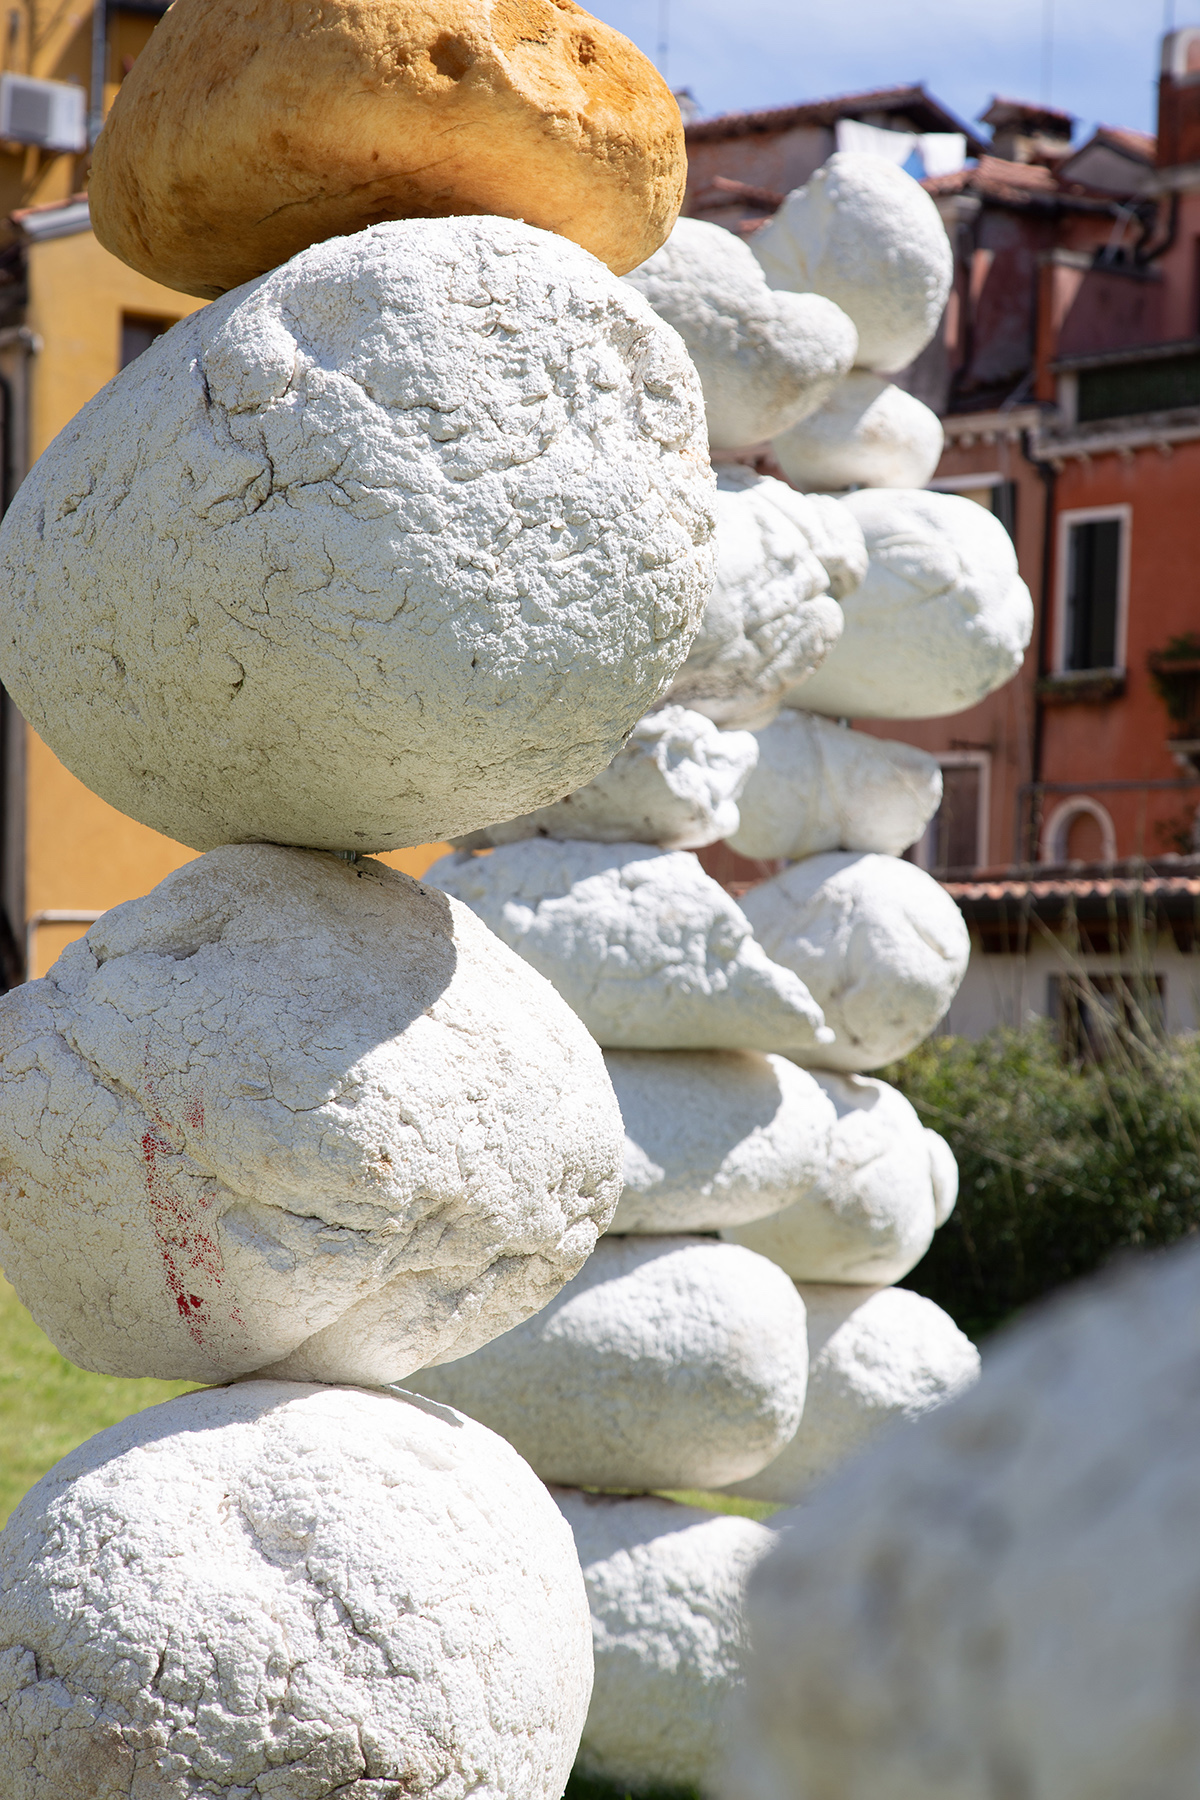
869,238
676,784
765,359
871,1207
940,619
397,541
286,1111
817,786
252,1593
769,622
868,434
1002,1599
714,1138
878,942
668,1362
876,1357
666,1585
649,951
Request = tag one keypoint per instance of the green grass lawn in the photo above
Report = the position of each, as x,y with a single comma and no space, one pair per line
47,1405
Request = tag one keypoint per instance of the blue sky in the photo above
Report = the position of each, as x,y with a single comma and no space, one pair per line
747,53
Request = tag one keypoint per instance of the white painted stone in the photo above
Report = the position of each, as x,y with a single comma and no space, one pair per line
765,359
871,1209
869,433
769,623
940,619
668,1362
715,1137
676,783
1003,1599
288,1112
876,1357
295,1591
395,541
818,787
665,1584
647,949
833,534
869,238
879,943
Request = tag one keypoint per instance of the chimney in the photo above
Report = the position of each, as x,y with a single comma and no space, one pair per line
1025,133
1179,99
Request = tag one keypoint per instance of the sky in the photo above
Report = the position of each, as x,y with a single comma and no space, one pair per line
736,54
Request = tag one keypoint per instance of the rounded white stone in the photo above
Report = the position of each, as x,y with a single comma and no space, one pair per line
940,619
870,1212
879,943
876,1357
769,623
287,1112
869,238
818,787
676,783
395,541
666,1585
715,1137
647,949
668,1362
869,433
831,531
1002,1600
764,359
275,1589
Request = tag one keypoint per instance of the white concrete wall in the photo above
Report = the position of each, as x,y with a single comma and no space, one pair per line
1014,990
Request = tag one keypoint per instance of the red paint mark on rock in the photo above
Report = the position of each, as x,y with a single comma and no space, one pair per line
193,1113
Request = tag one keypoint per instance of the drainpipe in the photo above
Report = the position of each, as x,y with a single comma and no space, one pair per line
99,68
1049,476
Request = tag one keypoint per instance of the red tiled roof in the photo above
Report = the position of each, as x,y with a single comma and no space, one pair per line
927,114
1138,144
1017,184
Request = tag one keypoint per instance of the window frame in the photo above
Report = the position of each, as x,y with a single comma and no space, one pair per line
922,850
1121,511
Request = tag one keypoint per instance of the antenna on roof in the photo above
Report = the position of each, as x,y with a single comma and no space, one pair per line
664,35
1047,50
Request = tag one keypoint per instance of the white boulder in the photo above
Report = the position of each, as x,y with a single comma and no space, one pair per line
769,622
290,1112
666,1585
870,1212
254,1591
940,619
1003,1599
876,1357
880,945
764,359
869,433
832,533
676,783
668,1362
715,1137
817,787
869,238
393,542
647,949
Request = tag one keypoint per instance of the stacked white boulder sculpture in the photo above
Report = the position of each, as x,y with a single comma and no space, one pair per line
397,539
740,1035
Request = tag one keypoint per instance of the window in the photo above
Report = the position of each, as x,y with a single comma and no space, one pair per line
956,836
1093,1012
138,332
1093,581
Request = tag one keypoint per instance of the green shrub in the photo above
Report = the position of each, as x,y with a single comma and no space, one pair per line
1060,1166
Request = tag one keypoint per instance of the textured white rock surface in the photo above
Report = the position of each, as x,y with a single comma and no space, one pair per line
764,359
1004,1598
715,1137
869,238
289,1112
275,1589
666,1585
870,1212
396,541
676,783
940,619
647,949
876,1357
816,786
668,1362
869,433
769,622
880,944
834,535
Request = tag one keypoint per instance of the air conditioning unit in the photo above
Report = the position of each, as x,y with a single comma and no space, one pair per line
51,114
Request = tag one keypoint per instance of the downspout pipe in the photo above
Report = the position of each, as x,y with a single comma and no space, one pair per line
1049,477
